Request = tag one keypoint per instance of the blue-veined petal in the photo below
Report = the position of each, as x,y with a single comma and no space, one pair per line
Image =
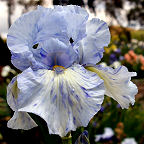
76,18
20,120
65,100
33,28
92,46
64,22
23,32
27,59
21,38
117,83
52,25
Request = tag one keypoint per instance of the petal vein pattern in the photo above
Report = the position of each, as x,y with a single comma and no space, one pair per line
20,39
65,101
117,83
92,46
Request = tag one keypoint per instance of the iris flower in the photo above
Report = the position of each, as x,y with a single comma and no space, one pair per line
57,51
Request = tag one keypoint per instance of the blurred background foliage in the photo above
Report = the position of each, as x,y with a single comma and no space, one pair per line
126,48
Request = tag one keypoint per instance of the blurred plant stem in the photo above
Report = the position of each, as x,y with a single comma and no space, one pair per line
67,139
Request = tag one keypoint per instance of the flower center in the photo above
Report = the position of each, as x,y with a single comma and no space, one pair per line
58,69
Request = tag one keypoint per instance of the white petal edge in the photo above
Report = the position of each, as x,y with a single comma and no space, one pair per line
21,120
117,83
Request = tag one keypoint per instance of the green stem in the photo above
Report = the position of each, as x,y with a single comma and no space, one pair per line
67,139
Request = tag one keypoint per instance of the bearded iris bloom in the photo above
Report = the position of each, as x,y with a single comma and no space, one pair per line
57,51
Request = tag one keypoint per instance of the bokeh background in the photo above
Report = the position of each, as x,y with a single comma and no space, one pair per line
126,22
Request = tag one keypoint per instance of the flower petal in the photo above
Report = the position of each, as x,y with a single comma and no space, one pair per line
64,22
117,83
22,60
21,38
76,18
20,120
54,52
28,59
92,46
65,100
22,33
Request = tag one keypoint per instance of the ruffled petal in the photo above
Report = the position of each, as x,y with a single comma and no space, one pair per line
27,59
64,22
21,38
92,46
20,120
23,32
76,18
117,83
65,100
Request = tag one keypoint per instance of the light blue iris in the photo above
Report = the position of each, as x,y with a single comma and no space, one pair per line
59,35
57,50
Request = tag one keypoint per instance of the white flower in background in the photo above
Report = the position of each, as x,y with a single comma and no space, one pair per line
6,70
134,41
135,46
129,141
140,43
116,64
108,133
129,45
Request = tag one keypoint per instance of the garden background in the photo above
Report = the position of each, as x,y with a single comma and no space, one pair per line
126,22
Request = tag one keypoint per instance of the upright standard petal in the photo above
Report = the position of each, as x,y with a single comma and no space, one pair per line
92,46
117,83
20,120
64,22
76,18
23,32
65,100
21,38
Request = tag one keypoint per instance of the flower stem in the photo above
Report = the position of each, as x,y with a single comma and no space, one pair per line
67,139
